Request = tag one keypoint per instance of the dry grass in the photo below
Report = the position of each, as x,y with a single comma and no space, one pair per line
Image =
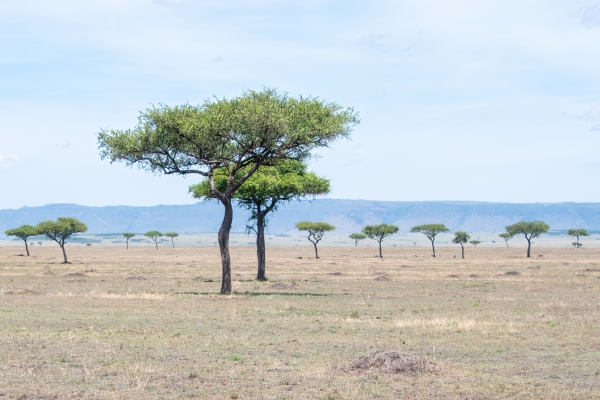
139,324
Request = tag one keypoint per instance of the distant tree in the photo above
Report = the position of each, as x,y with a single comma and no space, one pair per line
431,231
577,233
379,232
475,242
528,229
61,230
127,236
172,235
154,235
577,245
23,232
40,243
506,237
249,131
316,231
264,192
356,237
461,237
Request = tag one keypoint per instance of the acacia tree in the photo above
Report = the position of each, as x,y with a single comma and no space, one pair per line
506,237
23,232
475,242
264,192
356,237
577,233
431,231
60,231
461,237
316,231
379,232
253,130
154,235
530,230
172,236
127,236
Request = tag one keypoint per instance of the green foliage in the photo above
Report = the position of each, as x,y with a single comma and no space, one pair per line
171,234
256,128
578,232
23,232
529,229
461,237
261,193
154,235
430,230
61,230
357,236
506,236
128,235
577,245
316,230
379,232
475,242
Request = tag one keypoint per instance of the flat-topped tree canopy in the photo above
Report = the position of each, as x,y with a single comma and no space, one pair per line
249,131
61,230
431,231
529,230
23,232
379,232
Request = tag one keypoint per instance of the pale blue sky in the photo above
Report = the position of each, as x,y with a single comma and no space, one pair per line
460,100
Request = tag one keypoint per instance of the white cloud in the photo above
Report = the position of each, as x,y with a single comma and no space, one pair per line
590,16
592,115
8,161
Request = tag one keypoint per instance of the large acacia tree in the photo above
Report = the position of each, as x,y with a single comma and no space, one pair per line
263,192
244,133
379,232
572,232
530,230
61,230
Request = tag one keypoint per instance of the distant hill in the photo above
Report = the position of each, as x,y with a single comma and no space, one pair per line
347,215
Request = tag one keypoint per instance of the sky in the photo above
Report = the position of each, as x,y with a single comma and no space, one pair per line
494,101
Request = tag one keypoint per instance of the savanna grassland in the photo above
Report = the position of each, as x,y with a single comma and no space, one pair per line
148,324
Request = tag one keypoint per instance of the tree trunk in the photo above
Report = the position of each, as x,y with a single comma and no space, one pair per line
62,246
507,243
576,247
224,247
156,243
173,241
433,248
528,247
261,252
127,241
463,250
316,251
380,255
26,248
356,243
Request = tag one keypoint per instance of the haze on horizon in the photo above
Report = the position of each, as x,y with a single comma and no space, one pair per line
494,101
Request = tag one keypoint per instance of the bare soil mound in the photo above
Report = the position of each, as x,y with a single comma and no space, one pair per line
135,278
394,362
382,278
284,285
512,273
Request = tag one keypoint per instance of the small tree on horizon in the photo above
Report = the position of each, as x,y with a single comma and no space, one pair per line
356,237
23,232
431,231
316,231
127,236
461,237
530,230
506,237
475,242
172,236
154,235
61,230
577,233
379,232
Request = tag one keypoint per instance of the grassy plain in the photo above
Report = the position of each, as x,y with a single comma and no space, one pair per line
147,324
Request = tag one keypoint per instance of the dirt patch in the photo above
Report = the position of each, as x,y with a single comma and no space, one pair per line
394,362
536,267
473,276
76,274
284,285
592,270
198,278
512,273
382,278
581,275
406,266
135,278
48,273
336,273
452,276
